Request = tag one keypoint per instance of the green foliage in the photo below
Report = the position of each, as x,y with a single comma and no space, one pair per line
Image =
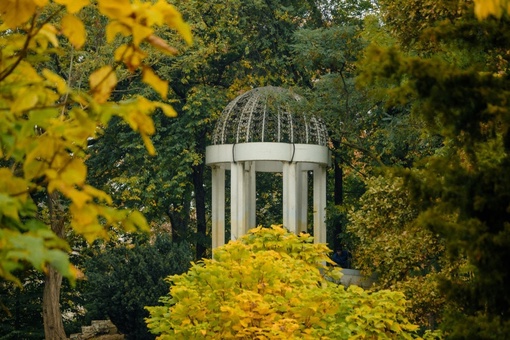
237,45
20,307
272,284
122,279
393,245
456,80
47,120
20,312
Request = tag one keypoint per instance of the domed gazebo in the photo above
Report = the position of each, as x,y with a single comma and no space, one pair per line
266,130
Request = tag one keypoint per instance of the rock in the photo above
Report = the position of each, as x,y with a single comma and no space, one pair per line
98,330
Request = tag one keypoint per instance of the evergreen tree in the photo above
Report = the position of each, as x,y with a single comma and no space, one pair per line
456,79
122,279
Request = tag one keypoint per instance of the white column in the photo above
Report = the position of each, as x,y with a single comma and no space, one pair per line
251,196
285,194
303,201
237,200
290,199
218,207
241,204
319,204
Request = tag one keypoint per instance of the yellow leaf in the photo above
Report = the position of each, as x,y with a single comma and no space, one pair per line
74,30
168,110
139,220
484,8
102,82
26,98
50,33
81,128
173,19
13,185
33,168
115,9
84,222
144,105
140,121
25,73
73,6
140,33
83,215
153,17
51,174
101,195
116,27
56,81
152,79
76,273
131,57
122,51
148,144
74,173
16,12
78,197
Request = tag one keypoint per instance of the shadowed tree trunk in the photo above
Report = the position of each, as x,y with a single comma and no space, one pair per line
198,184
52,316
339,187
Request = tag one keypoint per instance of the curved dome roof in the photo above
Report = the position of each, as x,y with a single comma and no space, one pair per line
268,114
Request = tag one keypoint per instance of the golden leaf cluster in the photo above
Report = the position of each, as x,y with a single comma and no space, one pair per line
486,8
45,124
272,284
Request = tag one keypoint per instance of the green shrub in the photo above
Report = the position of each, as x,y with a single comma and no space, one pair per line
272,284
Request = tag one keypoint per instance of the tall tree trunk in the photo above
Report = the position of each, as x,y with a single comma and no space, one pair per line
53,325
179,220
338,192
198,184
52,316
199,188
339,184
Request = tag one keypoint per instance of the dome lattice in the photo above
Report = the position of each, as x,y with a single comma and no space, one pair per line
268,114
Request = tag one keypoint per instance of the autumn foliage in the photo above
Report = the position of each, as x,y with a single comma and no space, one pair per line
272,284
45,124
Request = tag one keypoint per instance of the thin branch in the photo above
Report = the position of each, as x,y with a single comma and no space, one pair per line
31,34
351,166
68,82
364,150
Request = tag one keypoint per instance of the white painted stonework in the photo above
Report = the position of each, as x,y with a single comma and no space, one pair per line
243,160
267,129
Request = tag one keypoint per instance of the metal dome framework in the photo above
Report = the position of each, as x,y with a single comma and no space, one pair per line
267,130
268,115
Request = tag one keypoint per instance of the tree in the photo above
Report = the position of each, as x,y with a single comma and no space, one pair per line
121,280
237,45
273,284
457,82
20,316
46,126
393,245
364,133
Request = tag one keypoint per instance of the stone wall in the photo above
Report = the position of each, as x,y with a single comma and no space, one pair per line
98,330
354,277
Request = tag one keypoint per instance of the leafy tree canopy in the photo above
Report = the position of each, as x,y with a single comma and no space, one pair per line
453,73
273,284
46,124
121,280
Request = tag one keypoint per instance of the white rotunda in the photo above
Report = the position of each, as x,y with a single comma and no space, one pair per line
266,130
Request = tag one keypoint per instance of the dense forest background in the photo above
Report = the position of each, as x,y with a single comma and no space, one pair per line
414,94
